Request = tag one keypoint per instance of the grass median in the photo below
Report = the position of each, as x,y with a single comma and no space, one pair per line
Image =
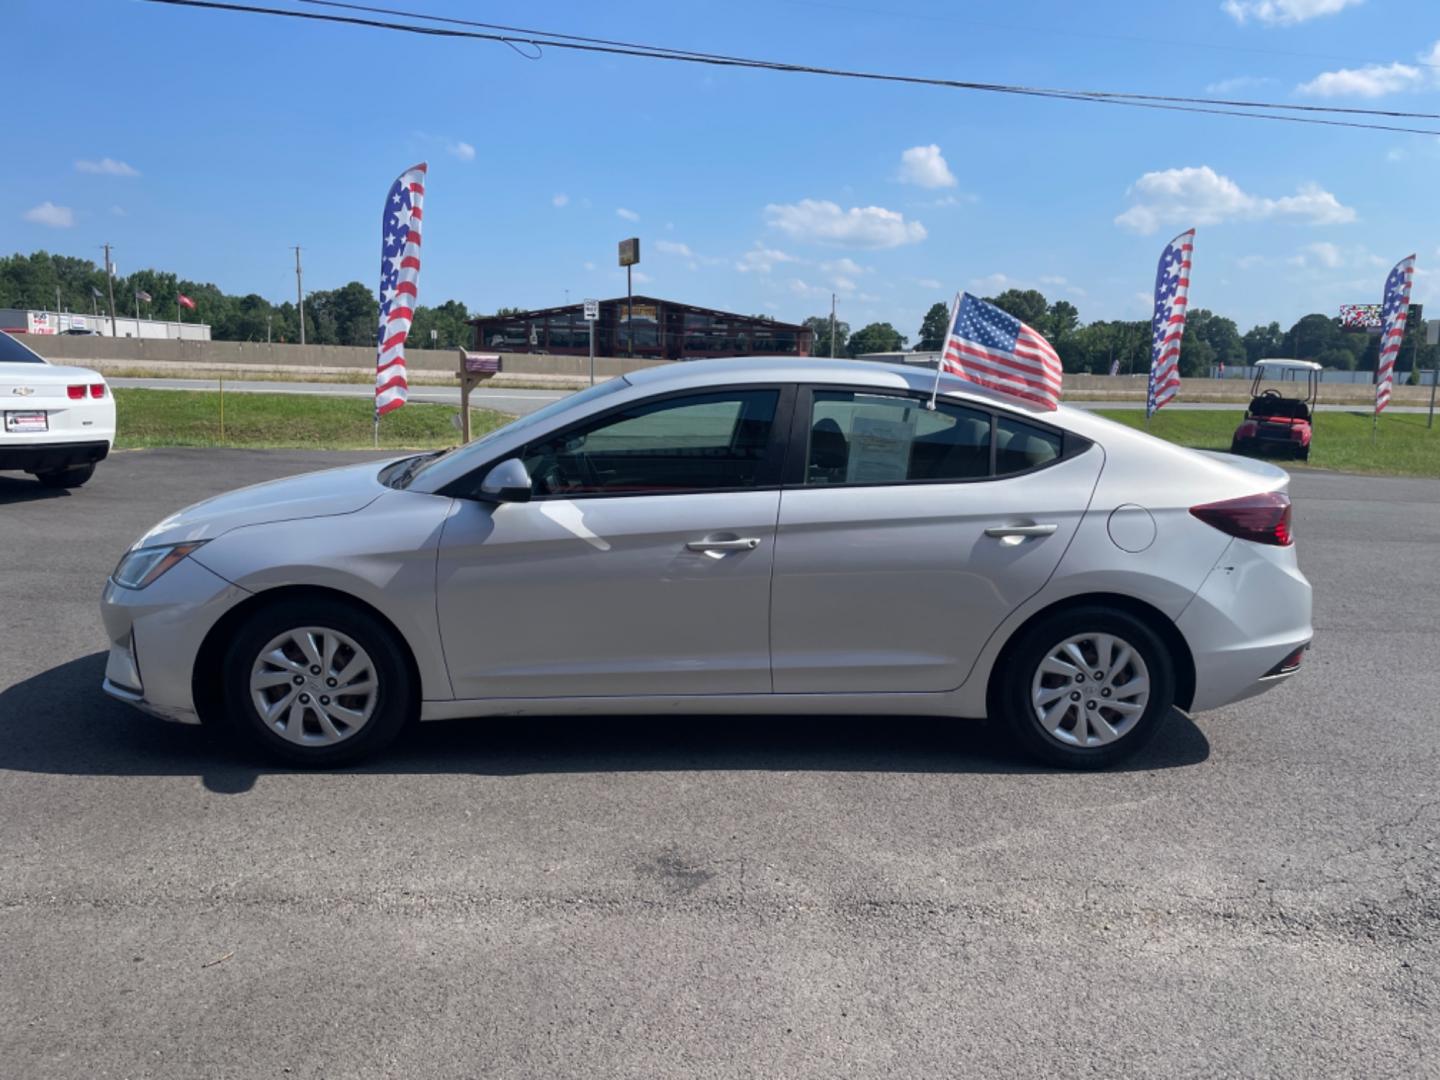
147,418
1402,446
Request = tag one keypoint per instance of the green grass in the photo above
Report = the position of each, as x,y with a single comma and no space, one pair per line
148,418
1403,446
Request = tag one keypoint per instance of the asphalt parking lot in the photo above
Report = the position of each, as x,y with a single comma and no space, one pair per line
1258,895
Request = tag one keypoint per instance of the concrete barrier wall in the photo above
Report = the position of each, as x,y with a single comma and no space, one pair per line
156,354
143,352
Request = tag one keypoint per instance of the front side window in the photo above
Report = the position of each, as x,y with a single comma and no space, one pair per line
860,438
702,442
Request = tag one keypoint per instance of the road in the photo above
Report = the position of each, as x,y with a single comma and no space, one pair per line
521,402
1257,895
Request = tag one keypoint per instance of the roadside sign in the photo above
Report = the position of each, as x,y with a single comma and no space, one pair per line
630,251
1432,332
592,310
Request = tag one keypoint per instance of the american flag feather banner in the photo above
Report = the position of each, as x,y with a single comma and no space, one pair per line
1167,326
399,286
996,350
1393,315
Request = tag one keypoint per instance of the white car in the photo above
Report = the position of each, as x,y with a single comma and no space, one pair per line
762,536
58,421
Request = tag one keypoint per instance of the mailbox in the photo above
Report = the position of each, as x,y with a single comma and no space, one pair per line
475,368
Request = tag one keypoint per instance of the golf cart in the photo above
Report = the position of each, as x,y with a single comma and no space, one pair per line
1274,423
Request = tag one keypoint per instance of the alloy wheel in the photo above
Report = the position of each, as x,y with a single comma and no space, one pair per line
314,686
1090,690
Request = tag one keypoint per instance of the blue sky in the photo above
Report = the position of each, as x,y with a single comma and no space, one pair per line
208,143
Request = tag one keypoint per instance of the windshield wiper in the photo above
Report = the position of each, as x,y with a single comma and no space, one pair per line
401,480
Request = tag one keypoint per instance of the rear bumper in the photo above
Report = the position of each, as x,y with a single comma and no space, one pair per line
35,457
1251,613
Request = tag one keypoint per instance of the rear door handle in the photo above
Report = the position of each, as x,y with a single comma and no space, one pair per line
1013,534
740,543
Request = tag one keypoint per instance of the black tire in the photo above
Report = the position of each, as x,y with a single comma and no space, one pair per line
1303,453
396,699
66,478
1011,693
1235,447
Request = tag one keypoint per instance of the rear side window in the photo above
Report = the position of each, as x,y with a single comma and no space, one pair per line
1020,446
704,442
859,438
12,352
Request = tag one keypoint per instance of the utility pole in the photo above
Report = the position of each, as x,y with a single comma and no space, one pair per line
832,326
57,299
300,293
110,287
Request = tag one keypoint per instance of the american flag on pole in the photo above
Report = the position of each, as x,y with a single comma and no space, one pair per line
1393,314
399,286
1167,327
996,350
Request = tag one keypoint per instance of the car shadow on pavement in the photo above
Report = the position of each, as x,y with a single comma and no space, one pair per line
60,722
15,490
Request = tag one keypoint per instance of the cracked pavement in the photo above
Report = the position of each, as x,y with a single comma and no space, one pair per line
1257,895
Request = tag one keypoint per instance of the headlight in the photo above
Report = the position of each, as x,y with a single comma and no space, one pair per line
141,566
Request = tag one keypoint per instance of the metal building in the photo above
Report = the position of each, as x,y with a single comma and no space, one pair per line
657,330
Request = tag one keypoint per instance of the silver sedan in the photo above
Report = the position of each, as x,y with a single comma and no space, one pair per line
772,536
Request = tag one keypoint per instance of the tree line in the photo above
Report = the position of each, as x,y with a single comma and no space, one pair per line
1124,345
348,316
344,316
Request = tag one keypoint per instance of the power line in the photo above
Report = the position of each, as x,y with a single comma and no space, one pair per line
782,66
542,39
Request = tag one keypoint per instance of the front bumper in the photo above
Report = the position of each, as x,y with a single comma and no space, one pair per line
40,456
1250,614
156,633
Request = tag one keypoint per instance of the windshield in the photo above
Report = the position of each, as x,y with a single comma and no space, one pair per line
12,352
570,401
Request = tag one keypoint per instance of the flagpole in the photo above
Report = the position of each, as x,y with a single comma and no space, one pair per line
940,361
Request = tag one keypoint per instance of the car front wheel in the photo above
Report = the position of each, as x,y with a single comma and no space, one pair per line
1087,688
317,683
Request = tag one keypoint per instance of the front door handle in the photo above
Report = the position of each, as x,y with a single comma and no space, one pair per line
740,543
1014,534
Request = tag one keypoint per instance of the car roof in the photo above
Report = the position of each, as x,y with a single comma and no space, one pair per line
783,369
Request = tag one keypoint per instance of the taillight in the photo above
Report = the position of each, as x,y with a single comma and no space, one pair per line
75,392
1264,518
97,389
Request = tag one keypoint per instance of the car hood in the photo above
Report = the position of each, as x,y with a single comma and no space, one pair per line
318,494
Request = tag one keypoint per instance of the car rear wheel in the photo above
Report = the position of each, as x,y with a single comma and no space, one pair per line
1087,687
66,478
317,683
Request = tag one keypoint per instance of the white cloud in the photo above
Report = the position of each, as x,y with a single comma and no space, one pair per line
929,283
1283,12
1062,283
462,150
670,247
762,260
106,167
560,199
589,266
925,167
945,201
117,211
1371,81
628,215
47,213
1237,83
1324,253
1201,196
843,284
996,282
824,222
844,265
804,288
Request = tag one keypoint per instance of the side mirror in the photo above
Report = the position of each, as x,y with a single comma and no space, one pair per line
507,482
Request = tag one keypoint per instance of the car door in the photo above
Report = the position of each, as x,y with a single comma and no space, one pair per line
640,567
907,534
